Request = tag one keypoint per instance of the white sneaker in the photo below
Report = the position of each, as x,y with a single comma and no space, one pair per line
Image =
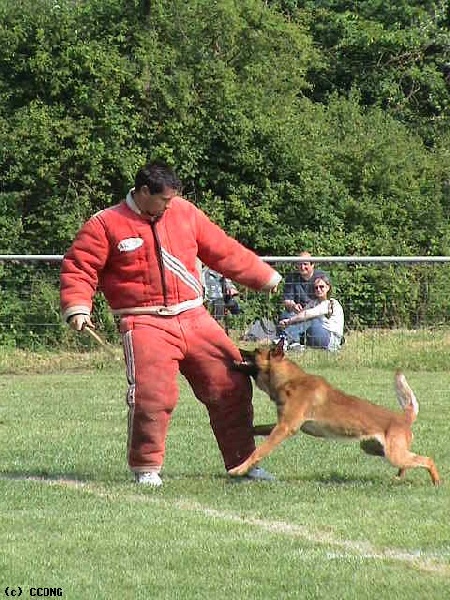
151,479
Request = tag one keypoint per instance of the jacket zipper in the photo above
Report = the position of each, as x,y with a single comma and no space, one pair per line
160,260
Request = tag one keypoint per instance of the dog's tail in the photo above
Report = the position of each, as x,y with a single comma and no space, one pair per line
406,397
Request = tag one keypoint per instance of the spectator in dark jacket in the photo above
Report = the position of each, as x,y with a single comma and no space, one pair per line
298,294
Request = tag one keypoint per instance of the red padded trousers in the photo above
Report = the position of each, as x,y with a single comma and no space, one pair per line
156,349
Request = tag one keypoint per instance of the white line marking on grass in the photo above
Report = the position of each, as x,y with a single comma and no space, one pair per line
346,549
64,481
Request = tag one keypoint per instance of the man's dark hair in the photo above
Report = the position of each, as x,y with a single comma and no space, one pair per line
156,176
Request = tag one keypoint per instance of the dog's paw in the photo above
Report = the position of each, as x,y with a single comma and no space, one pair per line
238,471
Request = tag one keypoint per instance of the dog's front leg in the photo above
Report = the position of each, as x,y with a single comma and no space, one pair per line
278,434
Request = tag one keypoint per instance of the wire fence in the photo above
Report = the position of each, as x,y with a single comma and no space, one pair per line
378,293
385,292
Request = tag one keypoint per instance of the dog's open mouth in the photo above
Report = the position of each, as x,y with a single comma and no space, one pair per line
243,363
245,366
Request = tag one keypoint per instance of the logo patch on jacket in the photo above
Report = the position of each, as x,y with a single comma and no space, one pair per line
129,244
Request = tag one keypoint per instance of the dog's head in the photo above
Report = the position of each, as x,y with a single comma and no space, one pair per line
258,363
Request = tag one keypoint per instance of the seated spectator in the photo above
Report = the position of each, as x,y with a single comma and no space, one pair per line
220,294
322,321
298,294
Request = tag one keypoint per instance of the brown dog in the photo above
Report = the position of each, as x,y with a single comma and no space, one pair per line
310,403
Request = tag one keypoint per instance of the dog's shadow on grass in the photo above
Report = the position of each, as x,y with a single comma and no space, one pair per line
80,479
336,479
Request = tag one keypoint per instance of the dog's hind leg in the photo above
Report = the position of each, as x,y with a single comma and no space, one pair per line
399,455
415,460
401,473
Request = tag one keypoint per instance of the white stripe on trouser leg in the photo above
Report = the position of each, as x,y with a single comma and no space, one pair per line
131,378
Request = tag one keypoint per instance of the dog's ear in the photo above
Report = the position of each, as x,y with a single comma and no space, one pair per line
277,352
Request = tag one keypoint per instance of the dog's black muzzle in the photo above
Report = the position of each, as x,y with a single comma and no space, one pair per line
247,365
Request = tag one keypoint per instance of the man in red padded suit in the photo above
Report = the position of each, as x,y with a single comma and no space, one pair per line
143,255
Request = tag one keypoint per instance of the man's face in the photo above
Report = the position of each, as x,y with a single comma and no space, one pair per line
306,269
154,205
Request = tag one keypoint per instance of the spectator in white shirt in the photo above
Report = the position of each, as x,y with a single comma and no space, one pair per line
322,321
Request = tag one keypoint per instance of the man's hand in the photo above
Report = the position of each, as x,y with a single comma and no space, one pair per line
289,304
79,322
293,306
272,285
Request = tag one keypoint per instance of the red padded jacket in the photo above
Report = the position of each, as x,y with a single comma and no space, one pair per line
152,267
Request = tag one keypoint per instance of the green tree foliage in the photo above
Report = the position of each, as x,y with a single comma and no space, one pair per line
396,54
293,124
68,116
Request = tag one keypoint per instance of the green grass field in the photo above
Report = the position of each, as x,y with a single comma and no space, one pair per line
335,525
